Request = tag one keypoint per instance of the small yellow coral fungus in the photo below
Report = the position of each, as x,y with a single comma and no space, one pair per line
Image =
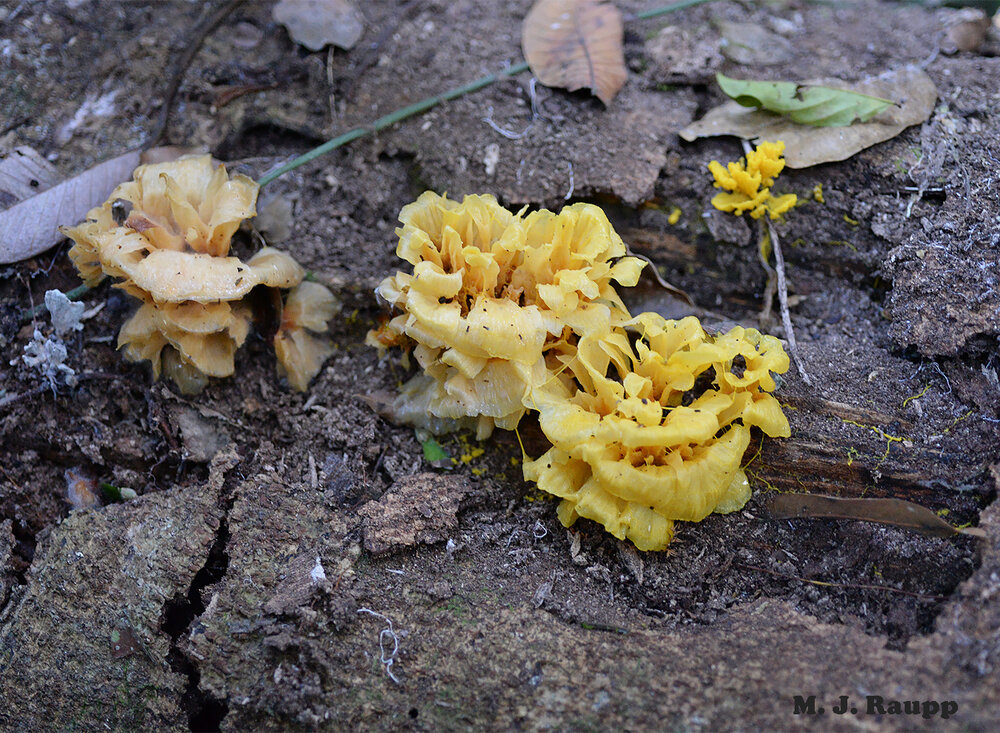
172,253
747,184
662,439
490,292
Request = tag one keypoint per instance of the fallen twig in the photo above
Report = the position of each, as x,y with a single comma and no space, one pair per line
769,290
786,318
194,41
779,270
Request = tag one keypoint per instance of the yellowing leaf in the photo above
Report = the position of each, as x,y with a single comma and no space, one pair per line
808,105
805,145
576,44
896,512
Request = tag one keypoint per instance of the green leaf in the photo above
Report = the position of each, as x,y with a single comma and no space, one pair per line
435,455
808,105
117,493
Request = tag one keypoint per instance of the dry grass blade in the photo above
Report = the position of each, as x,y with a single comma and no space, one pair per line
896,512
576,44
32,226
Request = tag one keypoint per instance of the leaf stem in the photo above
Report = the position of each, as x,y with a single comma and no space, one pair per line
429,102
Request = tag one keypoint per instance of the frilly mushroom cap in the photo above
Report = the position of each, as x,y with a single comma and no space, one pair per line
630,447
188,203
492,286
169,276
184,205
276,269
85,253
301,355
166,276
172,254
211,352
413,406
187,207
186,376
506,313
582,495
194,317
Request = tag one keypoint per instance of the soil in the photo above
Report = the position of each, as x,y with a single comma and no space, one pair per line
293,562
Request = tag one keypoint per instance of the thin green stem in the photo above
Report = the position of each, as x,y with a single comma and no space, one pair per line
390,119
425,104
657,12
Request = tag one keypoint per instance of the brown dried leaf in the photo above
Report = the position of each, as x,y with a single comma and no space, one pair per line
896,512
910,87
576,44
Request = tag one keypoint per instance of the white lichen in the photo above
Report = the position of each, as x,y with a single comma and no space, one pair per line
47,355
66,315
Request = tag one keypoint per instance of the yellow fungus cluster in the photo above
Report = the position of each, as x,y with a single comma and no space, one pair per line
662,438
165,235
648,418
747,185
490,293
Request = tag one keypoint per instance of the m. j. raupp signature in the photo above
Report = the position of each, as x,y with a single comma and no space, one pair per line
876,705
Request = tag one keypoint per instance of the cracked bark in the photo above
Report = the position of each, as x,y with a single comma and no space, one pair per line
205,712
100,577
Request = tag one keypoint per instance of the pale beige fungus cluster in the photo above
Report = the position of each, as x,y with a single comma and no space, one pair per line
170,248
